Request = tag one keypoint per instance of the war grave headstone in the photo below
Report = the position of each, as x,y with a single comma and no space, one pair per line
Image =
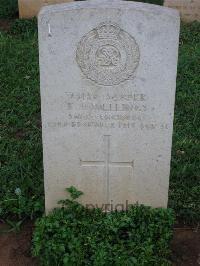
108,78
189,9
31,8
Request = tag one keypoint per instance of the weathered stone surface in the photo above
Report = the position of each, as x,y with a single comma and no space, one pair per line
31,8
189,9
107,90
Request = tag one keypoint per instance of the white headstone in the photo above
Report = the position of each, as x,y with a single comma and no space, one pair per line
108,78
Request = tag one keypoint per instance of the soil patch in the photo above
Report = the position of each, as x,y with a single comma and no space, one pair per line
186,247
5,24
15,248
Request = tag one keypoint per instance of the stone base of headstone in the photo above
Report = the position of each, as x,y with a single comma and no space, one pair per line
31,8
189,9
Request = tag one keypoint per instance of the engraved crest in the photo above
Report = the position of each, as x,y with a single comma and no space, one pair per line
108,55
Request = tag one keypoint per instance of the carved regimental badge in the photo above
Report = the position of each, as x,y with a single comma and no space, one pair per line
108,55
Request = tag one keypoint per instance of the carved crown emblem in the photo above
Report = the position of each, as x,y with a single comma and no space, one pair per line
108,31
108,55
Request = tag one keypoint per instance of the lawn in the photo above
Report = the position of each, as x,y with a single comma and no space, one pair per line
184,193
21,174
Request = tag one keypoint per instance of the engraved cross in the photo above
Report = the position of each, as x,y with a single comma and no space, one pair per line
107,163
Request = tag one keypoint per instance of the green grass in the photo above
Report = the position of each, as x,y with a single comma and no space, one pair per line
8,8
155,2
20,131
184,196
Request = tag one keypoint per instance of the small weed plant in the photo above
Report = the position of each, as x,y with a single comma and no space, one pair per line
76,235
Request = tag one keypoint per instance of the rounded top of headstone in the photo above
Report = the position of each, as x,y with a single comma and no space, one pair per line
102,4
